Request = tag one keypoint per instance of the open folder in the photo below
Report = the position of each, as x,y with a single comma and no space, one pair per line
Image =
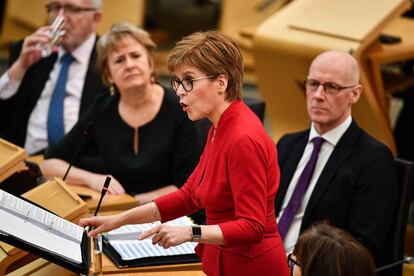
40,232
125,250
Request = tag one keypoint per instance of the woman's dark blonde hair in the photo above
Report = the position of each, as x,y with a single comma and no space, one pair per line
214,54
110,40
327,250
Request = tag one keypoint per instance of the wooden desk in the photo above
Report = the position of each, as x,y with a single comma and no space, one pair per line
109,203
180,269
408,270
285,44
378,54
41,267
248,32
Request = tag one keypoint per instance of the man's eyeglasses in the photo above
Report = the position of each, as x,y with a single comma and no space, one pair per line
292,262
187,83
54,8
329,87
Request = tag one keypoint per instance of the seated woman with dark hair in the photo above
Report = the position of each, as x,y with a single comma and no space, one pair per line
329,251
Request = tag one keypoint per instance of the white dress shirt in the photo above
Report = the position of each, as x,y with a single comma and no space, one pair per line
331,139
36,136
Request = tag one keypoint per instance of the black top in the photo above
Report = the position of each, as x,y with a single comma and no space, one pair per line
169,147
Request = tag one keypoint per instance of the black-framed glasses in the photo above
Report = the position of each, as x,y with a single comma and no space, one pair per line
329,87
292,262
54,8
187,83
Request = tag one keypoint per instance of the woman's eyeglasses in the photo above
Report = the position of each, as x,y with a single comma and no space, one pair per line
187,83
292,262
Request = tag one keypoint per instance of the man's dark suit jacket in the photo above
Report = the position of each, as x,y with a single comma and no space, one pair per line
15,112
356,191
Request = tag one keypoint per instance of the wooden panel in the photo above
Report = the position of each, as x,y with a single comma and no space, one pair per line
109,203
57,197
11,159
235,15
379,54
42,267
342,19
283,54
125,10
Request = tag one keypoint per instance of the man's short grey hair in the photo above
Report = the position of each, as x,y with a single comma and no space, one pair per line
97,4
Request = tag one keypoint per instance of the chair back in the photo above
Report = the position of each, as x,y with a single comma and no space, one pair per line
394,244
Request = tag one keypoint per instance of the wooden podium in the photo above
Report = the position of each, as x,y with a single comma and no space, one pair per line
285,44
53,195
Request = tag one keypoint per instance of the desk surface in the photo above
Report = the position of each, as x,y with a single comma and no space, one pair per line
402,27
179,269
379,54
41,267
109,203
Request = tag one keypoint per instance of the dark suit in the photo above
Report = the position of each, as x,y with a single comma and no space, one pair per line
15,112
356,190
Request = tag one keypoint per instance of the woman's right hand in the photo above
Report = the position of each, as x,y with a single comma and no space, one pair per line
96,182
100,224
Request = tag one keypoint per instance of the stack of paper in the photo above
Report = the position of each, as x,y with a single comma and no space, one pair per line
125,241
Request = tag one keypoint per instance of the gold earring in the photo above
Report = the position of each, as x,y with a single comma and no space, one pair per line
220,92
111,90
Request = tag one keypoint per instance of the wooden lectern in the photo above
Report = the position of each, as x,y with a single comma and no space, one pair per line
285,44
53,195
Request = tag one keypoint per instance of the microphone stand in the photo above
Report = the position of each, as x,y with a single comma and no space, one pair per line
77,151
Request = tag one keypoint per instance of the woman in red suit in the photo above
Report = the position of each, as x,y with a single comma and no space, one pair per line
236,179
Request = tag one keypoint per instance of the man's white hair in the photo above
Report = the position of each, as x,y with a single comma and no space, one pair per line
97,4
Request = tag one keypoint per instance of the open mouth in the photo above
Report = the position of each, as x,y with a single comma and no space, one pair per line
183,106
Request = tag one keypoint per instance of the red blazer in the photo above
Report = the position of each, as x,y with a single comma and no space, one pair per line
235,181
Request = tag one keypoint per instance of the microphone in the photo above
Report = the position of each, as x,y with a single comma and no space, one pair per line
103,193
405,260
78,149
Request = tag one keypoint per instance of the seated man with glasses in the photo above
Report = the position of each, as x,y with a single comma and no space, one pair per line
334,170
42,96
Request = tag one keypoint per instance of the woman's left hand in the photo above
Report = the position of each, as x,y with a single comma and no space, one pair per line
167,236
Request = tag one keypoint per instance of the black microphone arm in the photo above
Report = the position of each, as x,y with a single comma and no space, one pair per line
78,149
405,260
103,192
